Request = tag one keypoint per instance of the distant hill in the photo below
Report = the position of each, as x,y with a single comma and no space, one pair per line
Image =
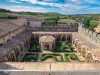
4,10
41,14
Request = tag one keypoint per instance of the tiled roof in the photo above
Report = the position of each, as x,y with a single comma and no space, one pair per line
47,39
7,26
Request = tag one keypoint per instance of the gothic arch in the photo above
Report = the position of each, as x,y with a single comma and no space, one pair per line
63,37
89,57
79,47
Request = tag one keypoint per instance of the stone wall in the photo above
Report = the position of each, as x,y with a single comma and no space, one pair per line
57,28
91,35
50,73
38,68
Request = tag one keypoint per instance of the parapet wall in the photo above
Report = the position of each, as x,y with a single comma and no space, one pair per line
40,66
91,35
57,28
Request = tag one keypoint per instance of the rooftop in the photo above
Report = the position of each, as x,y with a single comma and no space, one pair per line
7,26
97,29
47,39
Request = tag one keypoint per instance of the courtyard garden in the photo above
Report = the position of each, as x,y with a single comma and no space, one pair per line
63,52
51,57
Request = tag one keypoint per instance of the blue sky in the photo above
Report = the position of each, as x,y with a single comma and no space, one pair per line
60,6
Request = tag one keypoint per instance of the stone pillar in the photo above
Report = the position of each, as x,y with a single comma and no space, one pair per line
50,45
61,38
14,55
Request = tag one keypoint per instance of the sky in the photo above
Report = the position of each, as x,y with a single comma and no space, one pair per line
60,6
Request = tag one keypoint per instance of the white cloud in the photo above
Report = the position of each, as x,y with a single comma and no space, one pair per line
50,1
74,0
53,4
31,1
15,1
65,6
24,8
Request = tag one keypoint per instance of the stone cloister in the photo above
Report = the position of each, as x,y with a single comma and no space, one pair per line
83,50
58,35
16,52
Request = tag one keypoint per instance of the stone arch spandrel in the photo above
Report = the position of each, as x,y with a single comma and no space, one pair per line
84,52
76,43
79,47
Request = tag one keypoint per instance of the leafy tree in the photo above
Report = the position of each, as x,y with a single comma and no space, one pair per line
93,24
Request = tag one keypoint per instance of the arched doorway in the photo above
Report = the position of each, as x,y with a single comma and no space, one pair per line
84,52
64,38
46,46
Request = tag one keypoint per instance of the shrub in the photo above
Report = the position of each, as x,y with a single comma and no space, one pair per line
73,57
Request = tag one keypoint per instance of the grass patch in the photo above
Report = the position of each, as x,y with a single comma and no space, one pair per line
68,21
5,16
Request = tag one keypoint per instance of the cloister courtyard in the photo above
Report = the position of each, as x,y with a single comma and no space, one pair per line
63,51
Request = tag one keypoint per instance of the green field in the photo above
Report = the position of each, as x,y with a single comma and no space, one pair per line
5,16
67,21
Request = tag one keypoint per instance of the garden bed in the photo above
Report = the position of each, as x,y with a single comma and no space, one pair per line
30,57
64,46
72,57
56,57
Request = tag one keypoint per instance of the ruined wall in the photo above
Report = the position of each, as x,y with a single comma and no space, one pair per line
92,36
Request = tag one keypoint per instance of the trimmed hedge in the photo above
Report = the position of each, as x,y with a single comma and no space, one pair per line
54,56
